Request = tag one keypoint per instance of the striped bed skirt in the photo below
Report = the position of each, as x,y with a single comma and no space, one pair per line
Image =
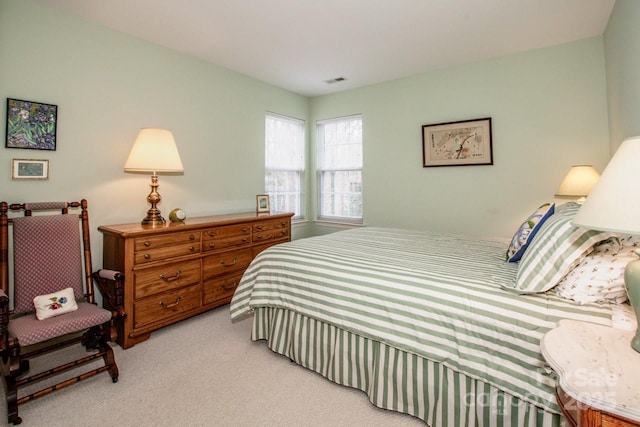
394,379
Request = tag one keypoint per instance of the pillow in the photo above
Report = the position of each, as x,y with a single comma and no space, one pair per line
54,304
527,231
598,278
554,251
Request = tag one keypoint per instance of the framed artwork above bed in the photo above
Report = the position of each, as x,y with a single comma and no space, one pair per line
461,143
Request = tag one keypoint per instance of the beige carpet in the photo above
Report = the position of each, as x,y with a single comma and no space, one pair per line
206,371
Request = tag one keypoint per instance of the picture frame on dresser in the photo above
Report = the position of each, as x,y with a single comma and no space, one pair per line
262,203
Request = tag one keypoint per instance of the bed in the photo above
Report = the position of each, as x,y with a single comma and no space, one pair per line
424,323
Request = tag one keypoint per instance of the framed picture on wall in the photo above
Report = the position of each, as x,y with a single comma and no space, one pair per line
462,143
29,169
262,203
31,125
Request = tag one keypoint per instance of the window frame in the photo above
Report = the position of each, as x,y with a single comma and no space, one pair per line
319,172
302,172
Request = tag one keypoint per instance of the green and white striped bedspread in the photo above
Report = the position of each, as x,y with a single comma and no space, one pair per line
435,295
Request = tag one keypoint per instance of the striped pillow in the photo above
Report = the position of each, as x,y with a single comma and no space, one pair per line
557,248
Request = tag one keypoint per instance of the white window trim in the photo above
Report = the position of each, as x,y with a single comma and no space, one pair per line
335,220
303,123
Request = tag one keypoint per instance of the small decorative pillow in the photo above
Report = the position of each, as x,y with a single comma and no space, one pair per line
558,247
598,278
527,231
54,304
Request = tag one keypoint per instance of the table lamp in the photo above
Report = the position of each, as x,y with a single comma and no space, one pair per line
614,205
578,182
154,152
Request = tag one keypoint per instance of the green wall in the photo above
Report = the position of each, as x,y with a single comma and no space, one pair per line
107,86
622,52
548,110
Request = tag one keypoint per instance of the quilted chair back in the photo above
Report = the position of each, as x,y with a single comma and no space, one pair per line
47,255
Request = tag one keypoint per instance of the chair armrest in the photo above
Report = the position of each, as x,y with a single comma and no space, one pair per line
111,285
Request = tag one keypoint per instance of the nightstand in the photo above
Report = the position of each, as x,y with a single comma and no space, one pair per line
598,373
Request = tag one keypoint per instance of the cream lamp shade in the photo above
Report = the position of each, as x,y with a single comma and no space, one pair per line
578,182
154,151
614,205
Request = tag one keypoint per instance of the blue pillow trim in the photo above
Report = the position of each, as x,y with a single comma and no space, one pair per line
516,256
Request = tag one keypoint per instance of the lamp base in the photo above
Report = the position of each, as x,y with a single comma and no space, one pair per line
632,283
153,217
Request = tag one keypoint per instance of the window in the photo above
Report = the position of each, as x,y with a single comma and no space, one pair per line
284,163
340,169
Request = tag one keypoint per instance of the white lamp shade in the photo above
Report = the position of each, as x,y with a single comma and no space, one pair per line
578,182
154,151
614,202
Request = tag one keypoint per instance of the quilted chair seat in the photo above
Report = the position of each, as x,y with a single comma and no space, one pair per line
29,330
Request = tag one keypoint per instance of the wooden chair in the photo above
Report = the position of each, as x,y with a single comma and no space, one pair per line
51,254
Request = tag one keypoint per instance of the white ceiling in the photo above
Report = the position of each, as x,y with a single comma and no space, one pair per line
299,44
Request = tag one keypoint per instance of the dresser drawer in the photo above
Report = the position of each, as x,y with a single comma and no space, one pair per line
152,242
270,235
166,252
168,304
270,226
227,242
221,289
170,276
225,263
226,231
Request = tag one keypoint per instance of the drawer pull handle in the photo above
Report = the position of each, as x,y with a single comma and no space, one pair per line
226,287
192,248
244,239
283,223
245,229
212,233
147,243
259,236
235,260
169,306
171,278
147,256
192,237
259,227
212,245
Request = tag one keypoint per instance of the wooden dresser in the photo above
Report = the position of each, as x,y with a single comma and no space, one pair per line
178,270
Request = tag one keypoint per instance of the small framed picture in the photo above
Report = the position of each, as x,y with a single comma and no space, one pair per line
262,203
31,125
29,169
460,143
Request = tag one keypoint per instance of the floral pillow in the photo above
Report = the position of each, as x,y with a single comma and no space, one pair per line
55,304
527,231
599,277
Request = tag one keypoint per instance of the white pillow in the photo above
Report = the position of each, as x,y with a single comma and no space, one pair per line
55,304
600,276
